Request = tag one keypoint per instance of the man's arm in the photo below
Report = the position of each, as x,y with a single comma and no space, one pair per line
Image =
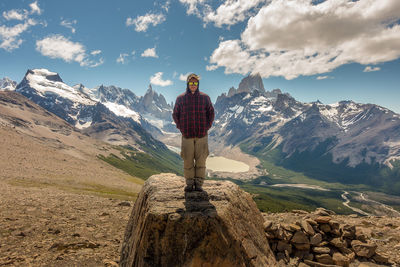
176,114
209,113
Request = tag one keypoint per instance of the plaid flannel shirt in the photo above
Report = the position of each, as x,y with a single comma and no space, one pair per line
193,114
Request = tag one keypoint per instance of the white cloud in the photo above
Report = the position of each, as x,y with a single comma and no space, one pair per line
156,79
324,77
166,5
150,52
96,64
35,8
193,6
142,23
15,14
183,77
292,38
95,52
68,24
228,13
211,67
122,58
369,69
231,12
57,46
9,36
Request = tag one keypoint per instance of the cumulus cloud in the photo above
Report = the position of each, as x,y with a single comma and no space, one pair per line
156,79
231,12
35,8
183,77
122,58
150,52
324,77
57,46
292,38
193,6
142,23
10,36
211,67
15,14
166,5
69,24
95,52
228,13
369,69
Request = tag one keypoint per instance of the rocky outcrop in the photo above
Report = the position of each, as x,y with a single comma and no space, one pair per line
220,226
319,239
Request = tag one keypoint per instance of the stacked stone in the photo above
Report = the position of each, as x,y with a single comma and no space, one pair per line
319,241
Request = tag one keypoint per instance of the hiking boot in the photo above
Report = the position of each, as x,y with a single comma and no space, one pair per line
198,188
198,184
189,185
188,188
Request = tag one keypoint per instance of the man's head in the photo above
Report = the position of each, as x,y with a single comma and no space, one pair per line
193,82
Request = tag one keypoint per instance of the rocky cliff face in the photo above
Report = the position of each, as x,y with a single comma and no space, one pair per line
248,84
218,227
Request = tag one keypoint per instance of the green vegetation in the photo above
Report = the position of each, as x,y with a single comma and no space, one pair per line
279,199
143,165
317,167
85,188
275,199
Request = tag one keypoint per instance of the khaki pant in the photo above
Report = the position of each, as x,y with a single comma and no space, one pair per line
194,152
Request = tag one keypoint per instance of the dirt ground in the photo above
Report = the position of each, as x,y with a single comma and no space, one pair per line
45,226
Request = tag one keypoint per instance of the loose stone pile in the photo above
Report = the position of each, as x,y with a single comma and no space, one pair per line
319,240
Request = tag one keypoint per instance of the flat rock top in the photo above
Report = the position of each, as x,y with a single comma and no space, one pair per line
166,194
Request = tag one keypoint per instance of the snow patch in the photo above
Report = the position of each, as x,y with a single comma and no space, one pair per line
265,108
121,110
246,97
83,122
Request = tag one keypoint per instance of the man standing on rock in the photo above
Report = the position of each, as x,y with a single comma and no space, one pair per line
193,115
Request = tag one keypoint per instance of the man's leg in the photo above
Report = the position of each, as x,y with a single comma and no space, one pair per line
187,154
200,155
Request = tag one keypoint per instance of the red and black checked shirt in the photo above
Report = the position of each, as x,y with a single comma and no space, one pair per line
193,114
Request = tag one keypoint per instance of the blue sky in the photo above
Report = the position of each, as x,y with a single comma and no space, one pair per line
328,50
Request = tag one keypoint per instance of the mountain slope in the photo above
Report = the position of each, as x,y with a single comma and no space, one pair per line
111,122
40,149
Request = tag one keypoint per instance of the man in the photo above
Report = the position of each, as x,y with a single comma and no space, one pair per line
193,115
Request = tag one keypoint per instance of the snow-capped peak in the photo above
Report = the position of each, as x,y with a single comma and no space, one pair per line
46,82
7,84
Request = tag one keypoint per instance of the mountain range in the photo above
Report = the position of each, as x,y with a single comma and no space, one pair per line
346,141
110,122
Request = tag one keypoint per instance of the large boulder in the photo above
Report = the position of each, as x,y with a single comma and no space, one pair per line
220,226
